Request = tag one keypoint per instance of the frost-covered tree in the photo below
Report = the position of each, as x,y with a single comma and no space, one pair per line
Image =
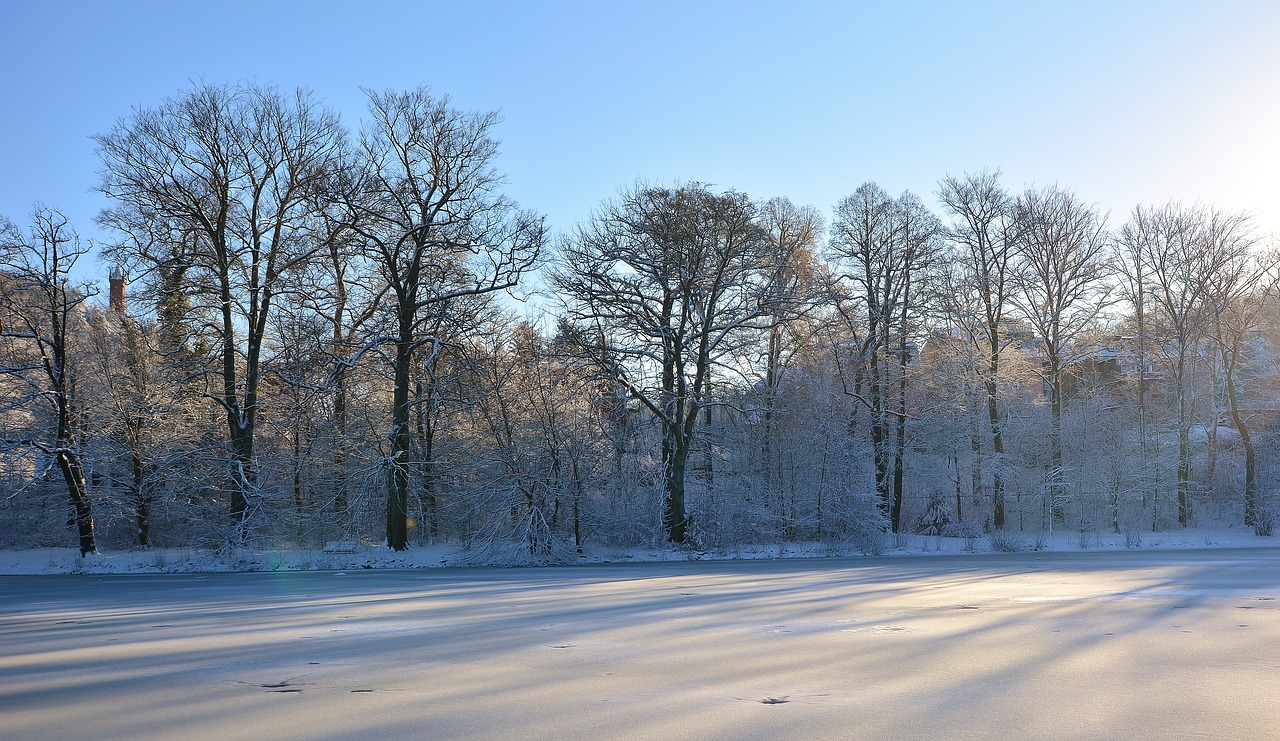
1240,293
978,293
664,284
884,248
42,331
426,208
1062,263
217,187
1184,252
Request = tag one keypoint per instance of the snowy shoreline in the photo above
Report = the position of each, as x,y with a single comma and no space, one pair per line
193,560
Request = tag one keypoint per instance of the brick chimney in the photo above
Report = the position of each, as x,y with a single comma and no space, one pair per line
117,289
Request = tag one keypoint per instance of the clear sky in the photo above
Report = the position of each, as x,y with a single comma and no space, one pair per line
1124,102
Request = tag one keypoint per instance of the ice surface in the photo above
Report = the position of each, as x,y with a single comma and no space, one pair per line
1115,644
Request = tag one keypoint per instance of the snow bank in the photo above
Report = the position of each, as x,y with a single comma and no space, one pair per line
186,560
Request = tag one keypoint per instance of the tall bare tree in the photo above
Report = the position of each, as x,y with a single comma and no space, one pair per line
885,247
794,233
663,284
425,206
340,289
222,181
1240,294
132,400
1062,261
981,233
1131,246
42,313
918,236
1184,252
862,242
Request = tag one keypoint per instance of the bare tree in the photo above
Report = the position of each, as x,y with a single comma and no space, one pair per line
1062,260
1239,295
41,315
222,182
133,400
918,237
793,232
340,289
1131,246
1184,252
426,208
862,241
885,247
980,291
663,284
445,389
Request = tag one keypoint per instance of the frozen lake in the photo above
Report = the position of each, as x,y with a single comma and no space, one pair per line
1032,645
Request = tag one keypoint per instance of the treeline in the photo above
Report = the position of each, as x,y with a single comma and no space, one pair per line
315,345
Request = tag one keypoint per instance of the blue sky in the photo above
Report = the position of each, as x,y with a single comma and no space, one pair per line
1126,103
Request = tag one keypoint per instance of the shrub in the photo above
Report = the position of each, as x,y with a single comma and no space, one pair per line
1007,541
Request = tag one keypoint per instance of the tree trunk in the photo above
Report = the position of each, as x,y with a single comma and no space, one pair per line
142,510
339,491
675,456
397,462
242,476
1184,443
1057,478
771,478
299,497
577,506
73,474
1246,440
900,449
1250,475
997,453
1144,445
880,434
426,425
340,441
975,471
1184,474
242,479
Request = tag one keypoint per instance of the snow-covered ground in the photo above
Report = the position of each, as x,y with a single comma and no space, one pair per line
183,560
1122,644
